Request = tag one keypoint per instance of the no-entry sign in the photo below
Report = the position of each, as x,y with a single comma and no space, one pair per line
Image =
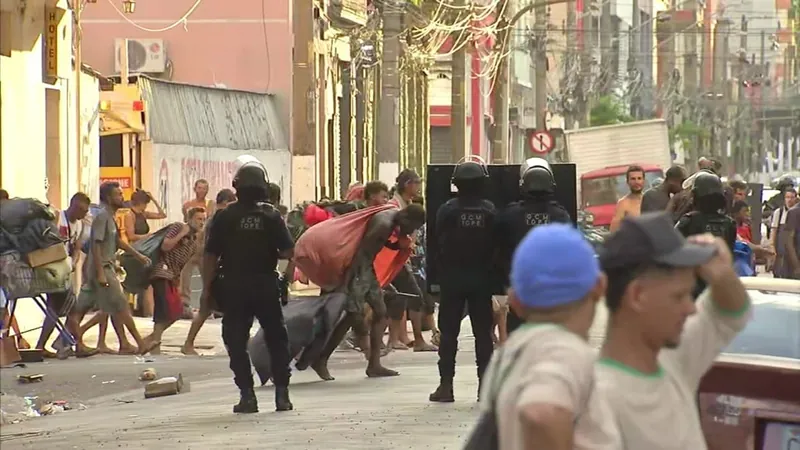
541,142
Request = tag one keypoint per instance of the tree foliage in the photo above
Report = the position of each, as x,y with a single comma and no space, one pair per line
689,134
608,111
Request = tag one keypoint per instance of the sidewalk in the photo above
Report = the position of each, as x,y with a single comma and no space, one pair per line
209,341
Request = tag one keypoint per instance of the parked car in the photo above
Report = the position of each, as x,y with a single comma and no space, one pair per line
750,399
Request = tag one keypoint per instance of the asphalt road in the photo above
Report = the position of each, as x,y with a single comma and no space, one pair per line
352,412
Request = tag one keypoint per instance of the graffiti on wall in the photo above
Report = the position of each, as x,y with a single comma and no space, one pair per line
178,168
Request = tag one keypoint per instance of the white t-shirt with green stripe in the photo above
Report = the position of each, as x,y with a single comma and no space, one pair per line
659,411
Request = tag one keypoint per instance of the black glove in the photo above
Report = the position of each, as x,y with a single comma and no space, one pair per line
283,290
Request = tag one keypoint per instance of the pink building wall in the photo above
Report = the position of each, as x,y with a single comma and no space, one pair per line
221,42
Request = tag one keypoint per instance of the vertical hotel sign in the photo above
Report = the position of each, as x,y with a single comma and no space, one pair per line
51,42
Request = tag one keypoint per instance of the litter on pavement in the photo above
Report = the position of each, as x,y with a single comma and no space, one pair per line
166,386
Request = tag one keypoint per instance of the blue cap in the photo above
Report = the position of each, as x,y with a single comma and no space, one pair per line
553,265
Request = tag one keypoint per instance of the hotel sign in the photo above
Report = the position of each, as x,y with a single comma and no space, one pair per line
51,42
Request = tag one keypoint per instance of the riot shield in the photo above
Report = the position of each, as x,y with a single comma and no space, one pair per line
502,189
754,193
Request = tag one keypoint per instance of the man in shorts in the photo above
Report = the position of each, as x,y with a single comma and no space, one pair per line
101,288
70,228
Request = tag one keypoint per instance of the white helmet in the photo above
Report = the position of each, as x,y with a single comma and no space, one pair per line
247,160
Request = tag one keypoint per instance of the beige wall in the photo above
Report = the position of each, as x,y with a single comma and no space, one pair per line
38,144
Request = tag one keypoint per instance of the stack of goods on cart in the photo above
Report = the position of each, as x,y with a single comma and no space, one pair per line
33,257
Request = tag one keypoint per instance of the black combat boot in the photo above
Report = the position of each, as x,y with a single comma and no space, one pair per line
282,402
248,403
443,393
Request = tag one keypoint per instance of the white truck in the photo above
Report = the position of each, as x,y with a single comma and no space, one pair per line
603,154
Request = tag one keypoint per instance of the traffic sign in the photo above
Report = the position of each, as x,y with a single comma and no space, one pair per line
541,142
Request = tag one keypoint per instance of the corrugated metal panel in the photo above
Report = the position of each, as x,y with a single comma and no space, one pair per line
183,114
441,145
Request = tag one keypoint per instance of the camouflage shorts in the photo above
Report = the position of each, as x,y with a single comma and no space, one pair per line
363,289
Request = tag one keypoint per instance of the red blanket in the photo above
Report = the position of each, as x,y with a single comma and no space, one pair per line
325,251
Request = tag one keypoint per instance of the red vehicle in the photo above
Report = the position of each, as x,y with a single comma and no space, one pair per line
601,189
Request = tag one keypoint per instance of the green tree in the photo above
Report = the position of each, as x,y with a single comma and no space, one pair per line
608,111
690,135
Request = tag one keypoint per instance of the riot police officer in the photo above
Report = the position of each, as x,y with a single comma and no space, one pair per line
464,231
708,214
246,240
537,207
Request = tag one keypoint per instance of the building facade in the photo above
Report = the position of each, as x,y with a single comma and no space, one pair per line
242,44
48,149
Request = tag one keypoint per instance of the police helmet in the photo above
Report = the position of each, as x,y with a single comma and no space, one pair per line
251,175
535,175
707,184
470,169
785,182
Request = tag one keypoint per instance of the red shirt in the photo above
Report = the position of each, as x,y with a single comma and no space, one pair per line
745,232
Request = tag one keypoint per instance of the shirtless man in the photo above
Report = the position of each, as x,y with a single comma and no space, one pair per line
362,288
631,204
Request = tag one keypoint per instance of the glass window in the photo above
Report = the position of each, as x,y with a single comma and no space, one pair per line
774,329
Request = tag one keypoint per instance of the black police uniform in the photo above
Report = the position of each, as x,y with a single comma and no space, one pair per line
464,227
707,186
536,208
248,237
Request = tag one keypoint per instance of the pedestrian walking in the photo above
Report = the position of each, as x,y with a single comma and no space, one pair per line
246,240
224,198
178,248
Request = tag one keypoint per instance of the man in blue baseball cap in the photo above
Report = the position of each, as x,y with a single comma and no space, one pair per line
540,382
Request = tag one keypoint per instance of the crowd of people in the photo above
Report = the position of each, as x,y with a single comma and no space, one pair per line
666,271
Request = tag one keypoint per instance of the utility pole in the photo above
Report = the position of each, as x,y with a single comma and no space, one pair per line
742,155
458,109
78,33
500,144
501,91
763,77
634,48
540,64
726,94
587,60
389,122
572,45
607,72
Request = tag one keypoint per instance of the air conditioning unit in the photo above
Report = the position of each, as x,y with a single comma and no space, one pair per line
144,55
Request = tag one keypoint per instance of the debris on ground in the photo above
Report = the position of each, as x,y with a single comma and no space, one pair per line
166,386
16,409
33,378
148,374
109,382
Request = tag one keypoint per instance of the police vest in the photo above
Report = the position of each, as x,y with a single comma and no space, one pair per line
716,224
468,237
251,246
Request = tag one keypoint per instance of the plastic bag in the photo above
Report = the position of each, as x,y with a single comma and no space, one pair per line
17,212
138,275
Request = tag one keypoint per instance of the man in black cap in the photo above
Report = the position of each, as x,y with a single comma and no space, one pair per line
464,231
246,240
651,272
537,207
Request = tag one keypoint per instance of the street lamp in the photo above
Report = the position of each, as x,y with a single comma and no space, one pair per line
129,6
